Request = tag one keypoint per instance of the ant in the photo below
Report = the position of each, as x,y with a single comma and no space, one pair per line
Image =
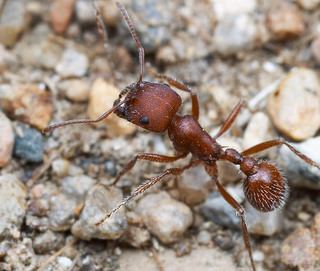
154,107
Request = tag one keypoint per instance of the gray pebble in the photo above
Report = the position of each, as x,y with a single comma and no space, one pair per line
28,144
12,205
100,200
47,242
77,186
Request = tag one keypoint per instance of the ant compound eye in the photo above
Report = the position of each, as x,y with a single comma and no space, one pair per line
144,120
266,189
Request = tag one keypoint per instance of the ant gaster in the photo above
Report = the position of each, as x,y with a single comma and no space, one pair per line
154,107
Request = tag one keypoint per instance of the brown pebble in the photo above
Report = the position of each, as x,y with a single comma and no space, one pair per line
60,15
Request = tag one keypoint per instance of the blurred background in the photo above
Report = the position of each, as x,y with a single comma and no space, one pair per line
54,188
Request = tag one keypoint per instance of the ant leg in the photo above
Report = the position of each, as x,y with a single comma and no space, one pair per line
77,121
147,184
276,142
230,119
134,35
179,85
148,157
213,172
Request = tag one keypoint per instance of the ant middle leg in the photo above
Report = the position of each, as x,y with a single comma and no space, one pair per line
147,184
213,172
148,157
181,86
277,142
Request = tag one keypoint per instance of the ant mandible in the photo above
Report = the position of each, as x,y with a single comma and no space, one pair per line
154,107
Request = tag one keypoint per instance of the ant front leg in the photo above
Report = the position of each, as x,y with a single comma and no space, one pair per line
148,157
213,172
179,85
147,184
276,142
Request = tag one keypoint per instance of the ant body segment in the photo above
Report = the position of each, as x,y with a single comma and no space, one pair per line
154,107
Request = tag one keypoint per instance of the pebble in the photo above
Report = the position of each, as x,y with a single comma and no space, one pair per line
285,21
85,11
259,129
194,186
295,103
136,237
7,59
298,172
234,34
100,200
28,103
60,15
219,211
72,64
76,90
315,49
204,238
12,22
60,167
101,98
28,144
64,262
13,206
164,217
265,224
47,242
77,187
309,4
6,140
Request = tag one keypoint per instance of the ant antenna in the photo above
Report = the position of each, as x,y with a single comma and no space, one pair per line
133,33
100,24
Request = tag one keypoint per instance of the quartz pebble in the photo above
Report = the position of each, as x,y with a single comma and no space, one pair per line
297,171
29,144
102,96
77,90
60,15
100,200
295,102
308,4
285,21
6,140
234,34
12,22
13,206
72,64
194,186
164,217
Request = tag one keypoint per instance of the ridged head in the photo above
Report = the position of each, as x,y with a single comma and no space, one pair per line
265,188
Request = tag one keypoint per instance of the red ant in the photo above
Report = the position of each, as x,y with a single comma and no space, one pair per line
154,106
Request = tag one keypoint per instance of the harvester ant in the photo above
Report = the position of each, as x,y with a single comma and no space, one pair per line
154,107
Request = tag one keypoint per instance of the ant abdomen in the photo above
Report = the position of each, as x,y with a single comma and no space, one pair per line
265,188
147,101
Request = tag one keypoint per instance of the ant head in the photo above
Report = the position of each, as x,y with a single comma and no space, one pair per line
265,188
149,105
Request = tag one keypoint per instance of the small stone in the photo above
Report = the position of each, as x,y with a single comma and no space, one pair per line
259,129
47,242
315,49
110,13
226,8
258,256
234,34
60,15
6,140
100,200
77,187
102,96
13,205
309,4
194,186
136,236
303,216
64,262
297,171
28,144
12,22
204,238
85,11
266,224
7,59
295,103
219,211
72,64
60,167
76,90
28,103
164,217
298,249
285,21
